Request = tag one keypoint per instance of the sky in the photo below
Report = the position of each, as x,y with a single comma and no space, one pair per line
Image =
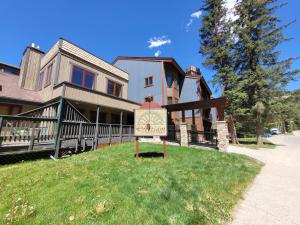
167,28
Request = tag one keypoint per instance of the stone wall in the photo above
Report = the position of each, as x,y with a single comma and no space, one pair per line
222,135
184,138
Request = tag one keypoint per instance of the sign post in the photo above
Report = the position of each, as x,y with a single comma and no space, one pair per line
148,122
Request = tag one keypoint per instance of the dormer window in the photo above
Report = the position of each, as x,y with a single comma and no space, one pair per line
83,77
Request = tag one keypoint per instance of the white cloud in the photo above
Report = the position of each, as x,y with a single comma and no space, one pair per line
158,41
195,15
157,53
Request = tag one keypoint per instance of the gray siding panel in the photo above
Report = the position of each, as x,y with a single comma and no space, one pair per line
138,71
189,91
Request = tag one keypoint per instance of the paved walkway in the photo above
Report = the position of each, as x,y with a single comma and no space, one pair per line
274,196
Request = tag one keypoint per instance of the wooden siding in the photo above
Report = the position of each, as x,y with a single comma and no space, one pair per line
65,74
50,54
23,68
74,50
79,95
33,68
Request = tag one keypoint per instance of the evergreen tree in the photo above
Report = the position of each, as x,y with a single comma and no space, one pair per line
262,76
217,45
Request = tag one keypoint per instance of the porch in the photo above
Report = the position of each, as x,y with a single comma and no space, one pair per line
60,126
198,119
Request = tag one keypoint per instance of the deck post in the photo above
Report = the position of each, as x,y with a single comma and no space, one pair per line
57,141
31,144
79,137
96,128
1,124
109,134
121,126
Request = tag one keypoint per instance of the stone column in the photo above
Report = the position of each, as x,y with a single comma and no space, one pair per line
184,138
222,135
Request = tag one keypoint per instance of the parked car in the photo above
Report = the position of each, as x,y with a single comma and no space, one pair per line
274,131
267,134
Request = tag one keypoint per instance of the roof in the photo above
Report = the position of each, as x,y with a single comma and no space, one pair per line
6,66
158,59
163,59
83,54
11,89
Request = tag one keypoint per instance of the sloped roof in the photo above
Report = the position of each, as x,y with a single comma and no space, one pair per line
158,59
11,89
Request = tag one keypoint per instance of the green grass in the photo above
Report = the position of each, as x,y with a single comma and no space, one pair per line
251,143
110,187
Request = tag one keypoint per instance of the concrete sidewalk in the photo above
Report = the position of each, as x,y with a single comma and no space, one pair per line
274,196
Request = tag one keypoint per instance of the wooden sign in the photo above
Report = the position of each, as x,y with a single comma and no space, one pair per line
150,122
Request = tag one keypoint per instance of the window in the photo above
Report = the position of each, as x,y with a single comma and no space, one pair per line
148,81
114,88
39,82
48,76
83,77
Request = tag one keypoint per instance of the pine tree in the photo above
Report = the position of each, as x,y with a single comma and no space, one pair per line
217,44
261,73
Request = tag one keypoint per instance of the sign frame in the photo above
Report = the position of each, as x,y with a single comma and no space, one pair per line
140,134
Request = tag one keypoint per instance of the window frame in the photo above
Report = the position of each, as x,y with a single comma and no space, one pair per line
84,75
146,81
48,75
114,89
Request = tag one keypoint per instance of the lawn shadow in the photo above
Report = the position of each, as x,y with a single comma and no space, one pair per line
150,155
17,158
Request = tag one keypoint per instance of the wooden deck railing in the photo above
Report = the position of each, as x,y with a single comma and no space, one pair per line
55,126
23,131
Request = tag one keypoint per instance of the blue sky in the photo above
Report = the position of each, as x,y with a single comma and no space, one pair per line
116,27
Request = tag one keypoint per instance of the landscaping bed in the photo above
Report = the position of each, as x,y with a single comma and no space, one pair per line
109,186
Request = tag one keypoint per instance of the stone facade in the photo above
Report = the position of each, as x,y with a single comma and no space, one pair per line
184,138
222,135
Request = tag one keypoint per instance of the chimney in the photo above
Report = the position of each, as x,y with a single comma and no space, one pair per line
193,70
30,67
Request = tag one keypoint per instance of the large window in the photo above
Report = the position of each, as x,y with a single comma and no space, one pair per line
148,81
83,77
48,75
114,88
39,82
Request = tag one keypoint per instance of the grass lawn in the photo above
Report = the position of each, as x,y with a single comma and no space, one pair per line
251,143
109,186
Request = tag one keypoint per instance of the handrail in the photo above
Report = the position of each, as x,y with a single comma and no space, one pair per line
37,109
28,118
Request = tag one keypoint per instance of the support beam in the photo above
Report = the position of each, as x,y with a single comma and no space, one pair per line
1,124
96,128
60,115
201,126
121,126
193,117
183,116
220,113
202,104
